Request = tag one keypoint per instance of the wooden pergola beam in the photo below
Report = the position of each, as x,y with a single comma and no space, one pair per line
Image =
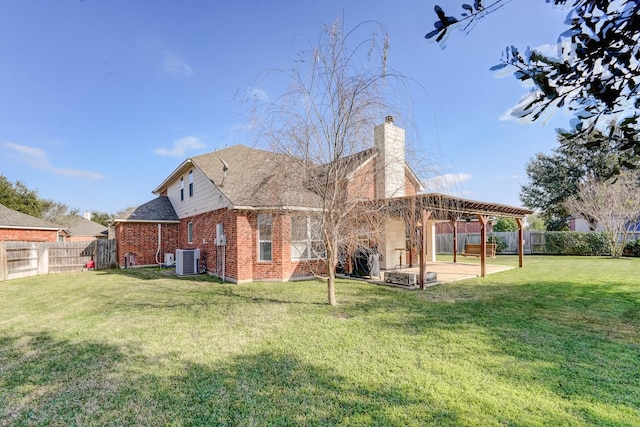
484,219
454,223
440,207
425,214
520,241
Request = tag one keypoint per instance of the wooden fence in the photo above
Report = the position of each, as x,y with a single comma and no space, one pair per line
534,241
24,259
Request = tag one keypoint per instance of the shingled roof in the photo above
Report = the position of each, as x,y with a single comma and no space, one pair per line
76,225
156,210
10,218
256,178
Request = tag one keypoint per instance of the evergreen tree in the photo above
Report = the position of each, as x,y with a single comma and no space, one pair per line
594,74
16,196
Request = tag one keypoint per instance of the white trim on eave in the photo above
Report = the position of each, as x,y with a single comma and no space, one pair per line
177,172
275,208
412,174
24,227
151,221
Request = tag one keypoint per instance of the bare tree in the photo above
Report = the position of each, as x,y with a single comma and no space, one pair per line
614,204
323,123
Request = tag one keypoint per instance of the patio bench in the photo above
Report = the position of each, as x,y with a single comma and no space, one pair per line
473,249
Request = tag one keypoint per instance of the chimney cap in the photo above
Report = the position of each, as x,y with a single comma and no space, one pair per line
388,119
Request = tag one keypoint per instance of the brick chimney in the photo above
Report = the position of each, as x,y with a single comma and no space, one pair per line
390,145
390,182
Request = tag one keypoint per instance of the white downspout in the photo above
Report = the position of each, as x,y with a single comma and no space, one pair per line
159,244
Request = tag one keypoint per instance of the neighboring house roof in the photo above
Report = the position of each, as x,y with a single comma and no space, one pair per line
156,210
10,218
76,225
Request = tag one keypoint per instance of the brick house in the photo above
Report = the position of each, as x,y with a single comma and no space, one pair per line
238,193
146,233
20,227
250,212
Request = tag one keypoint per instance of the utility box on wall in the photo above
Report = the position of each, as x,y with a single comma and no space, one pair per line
221,238
169,259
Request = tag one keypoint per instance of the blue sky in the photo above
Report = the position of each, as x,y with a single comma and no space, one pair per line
101,100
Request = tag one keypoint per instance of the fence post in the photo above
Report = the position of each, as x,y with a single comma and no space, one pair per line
3,262
43,258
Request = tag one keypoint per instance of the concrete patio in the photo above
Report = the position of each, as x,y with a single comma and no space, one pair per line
446,272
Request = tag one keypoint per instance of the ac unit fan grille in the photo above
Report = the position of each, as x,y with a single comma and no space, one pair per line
187,262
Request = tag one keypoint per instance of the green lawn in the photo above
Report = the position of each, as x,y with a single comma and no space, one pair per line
555,343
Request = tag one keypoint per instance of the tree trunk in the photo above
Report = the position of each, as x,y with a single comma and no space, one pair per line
331,289
332,260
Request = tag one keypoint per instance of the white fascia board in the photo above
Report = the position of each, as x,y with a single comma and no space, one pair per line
173,175
415,177
23,227
276,208
154,221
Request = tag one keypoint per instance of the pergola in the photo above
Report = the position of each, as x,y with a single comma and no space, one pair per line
422,209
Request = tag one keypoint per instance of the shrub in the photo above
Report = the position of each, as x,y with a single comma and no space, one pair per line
505,224
575,243
632,248
499,241
597,243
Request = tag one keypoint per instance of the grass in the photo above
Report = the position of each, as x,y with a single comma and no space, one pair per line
555,343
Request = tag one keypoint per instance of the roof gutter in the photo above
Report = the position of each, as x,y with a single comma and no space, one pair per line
23,227
146,221
276,208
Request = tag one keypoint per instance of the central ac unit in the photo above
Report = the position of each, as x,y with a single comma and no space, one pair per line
187,261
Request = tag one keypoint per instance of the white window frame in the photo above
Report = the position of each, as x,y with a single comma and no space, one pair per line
191,183
190,232
310,246
265,220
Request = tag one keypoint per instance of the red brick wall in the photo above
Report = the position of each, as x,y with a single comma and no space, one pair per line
409,187
141,239
22,235
203,238
363,184
244,244
241,251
